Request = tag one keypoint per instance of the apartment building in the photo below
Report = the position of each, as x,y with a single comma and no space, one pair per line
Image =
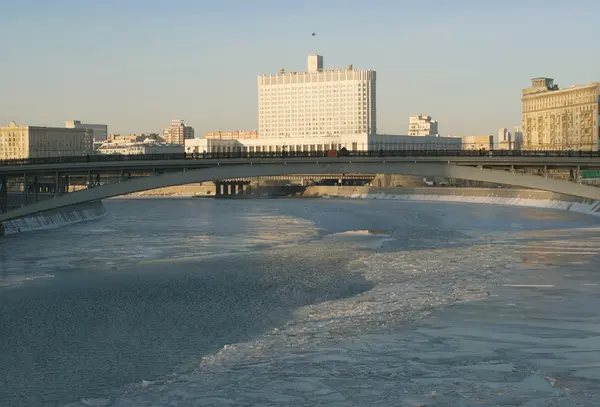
178,132
554,118
422,125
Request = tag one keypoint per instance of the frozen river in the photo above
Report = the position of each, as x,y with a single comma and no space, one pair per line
192,302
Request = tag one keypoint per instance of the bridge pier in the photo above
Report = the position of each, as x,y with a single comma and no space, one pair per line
61,185
93,182
30,190
231,189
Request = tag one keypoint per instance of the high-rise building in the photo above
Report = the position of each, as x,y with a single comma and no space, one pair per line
518,137
554,118
35,142
317,103
422,126
178,133
504,140
99,131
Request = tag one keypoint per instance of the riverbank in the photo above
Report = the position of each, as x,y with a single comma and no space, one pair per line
496,196
54,219
499,196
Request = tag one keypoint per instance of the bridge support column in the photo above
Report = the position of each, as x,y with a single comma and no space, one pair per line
61,184
3,194
578,175
57,185
36,189
29,193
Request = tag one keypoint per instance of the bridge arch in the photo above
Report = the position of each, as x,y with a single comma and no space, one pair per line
282,168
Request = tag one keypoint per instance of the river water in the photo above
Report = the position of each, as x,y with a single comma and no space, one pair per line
187,302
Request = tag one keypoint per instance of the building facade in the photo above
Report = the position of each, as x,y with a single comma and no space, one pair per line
178,133
99,131
140,148
318,145
318,103
18,142
518,137
231,135
554,118
477,142
422,126
504,141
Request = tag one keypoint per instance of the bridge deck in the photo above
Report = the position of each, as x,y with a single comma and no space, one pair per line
179,164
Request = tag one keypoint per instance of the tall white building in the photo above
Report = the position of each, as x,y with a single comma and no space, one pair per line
422,126
99,131
317,103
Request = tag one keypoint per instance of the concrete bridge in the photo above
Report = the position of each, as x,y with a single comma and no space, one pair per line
165,173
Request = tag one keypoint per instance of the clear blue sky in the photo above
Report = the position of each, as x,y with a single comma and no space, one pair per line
137,64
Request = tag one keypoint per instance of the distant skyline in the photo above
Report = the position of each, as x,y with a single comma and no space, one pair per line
135,65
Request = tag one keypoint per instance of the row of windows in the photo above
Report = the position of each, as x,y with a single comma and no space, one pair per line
557,102
338,85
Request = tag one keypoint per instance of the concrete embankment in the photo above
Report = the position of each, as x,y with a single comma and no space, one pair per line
195,190
54,219
500,196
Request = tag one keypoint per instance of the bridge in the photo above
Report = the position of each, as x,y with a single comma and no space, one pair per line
139,173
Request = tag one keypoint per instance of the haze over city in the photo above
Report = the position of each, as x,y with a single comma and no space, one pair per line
137,65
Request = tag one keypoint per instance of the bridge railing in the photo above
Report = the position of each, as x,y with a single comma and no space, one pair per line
99,158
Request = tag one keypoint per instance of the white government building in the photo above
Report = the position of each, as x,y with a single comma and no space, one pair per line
317,110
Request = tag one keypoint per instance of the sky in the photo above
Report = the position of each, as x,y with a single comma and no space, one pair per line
135,65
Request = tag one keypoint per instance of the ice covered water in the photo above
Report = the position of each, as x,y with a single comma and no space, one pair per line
304,302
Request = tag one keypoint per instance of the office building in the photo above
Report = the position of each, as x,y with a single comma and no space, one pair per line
422,126
518,137
317,103
37,141
554,118
99,131
178,133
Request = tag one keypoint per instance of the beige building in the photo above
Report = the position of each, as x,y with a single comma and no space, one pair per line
35,142
422,126
178,133
477,142
554,118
